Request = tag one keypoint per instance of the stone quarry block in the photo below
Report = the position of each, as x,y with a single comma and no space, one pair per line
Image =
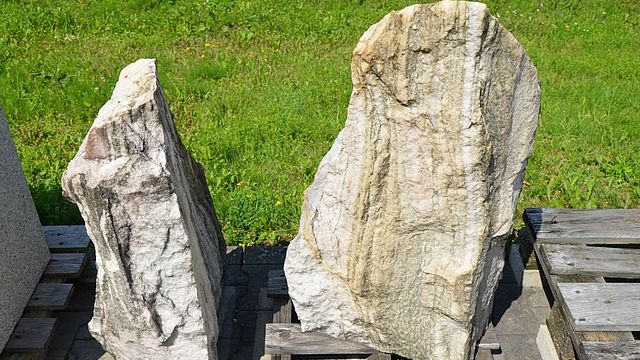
147,208
23,249
401,237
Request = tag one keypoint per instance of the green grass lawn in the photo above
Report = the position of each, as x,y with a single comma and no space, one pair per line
260,89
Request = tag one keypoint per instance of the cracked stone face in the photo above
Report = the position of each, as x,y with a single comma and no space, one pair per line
148,211
402,232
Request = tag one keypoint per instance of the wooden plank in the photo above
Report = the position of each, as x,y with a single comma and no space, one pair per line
612,350
50,297
282,310
576,337
584,226
66,238
591,260
489,340
277,284
31,335
288,339
65,265
603,307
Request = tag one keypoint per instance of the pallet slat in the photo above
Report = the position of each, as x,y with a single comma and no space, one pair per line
31,335
277,284
65,265
288,339
584,226
577,338
50,297
626,350
602,307
590,260
66,238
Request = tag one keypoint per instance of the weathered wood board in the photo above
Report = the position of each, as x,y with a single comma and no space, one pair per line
31,335
591,274
623,350
65,265
591,260
66,238
584,226
289,339
603,307
277,284
50,297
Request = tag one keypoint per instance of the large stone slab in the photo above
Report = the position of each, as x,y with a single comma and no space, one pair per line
23,249
402,232
159,248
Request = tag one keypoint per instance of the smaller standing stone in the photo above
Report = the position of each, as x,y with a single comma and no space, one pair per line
23,250
159,248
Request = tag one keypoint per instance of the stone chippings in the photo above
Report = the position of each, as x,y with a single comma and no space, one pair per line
23,249
401,237
147,208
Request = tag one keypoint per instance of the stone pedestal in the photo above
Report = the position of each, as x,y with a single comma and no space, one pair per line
23,249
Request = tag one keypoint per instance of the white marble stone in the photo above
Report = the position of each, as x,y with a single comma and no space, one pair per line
402,232
159,248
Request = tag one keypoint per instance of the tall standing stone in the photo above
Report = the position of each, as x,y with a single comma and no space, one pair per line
402,231
149,213
23,250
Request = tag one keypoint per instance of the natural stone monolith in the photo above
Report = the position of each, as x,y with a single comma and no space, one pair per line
147,208
402,231
23,250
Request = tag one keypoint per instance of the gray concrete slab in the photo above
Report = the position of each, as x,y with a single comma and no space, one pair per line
519,347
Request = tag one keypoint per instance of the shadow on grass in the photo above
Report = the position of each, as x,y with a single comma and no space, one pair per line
53,208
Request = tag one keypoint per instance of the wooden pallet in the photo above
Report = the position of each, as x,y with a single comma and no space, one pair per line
33,333
591,262
285,339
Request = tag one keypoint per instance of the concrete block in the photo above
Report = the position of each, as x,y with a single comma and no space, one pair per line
545,344
23,250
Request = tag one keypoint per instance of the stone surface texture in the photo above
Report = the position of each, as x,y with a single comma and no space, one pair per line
147,208
401,237
23,249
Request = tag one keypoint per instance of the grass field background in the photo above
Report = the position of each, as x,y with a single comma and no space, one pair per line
259,90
